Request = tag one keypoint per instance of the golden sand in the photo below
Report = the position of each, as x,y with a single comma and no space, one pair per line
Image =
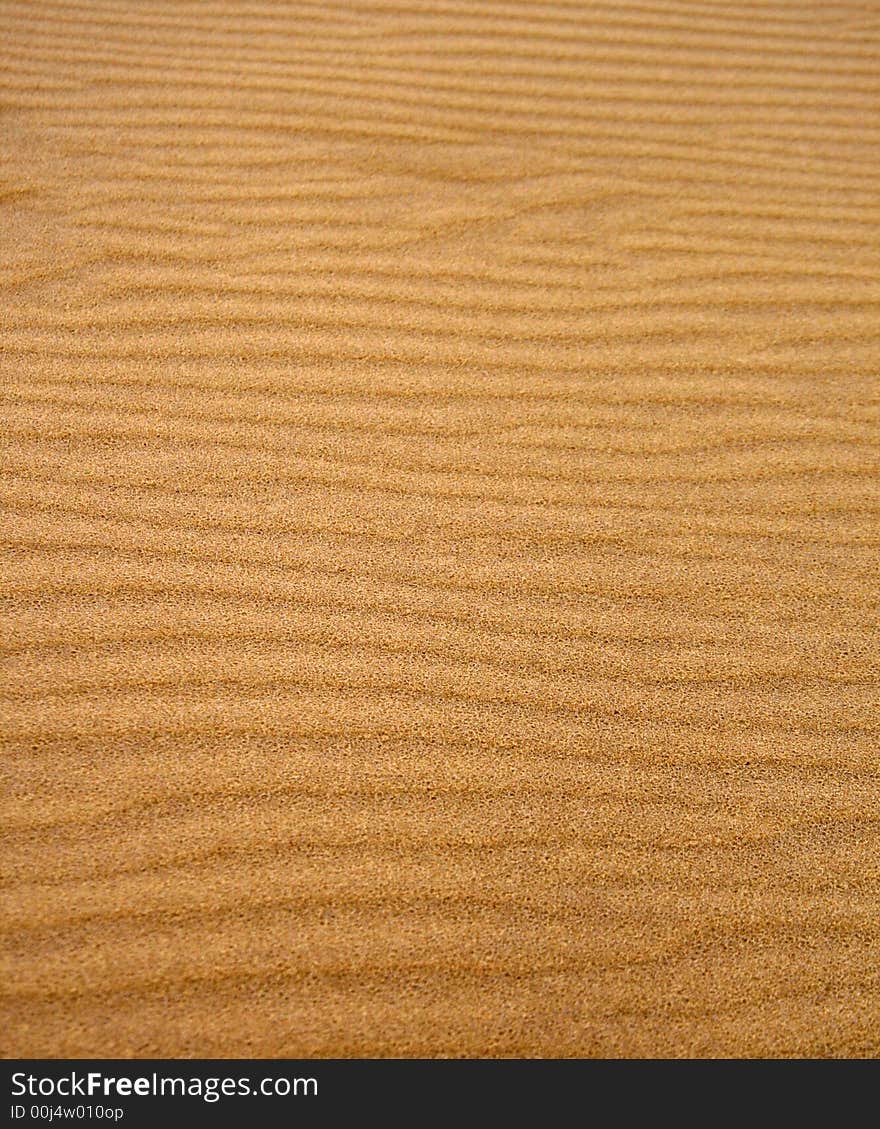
440,455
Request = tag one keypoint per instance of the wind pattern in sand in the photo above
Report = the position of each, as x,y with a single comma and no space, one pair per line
440,467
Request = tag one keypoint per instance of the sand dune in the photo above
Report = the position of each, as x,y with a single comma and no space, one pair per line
440,465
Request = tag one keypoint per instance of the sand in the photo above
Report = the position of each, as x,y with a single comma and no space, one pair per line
440,464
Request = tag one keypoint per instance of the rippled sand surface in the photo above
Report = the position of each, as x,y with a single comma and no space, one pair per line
440,459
